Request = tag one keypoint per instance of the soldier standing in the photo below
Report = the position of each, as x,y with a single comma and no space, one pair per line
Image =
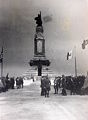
12,82
42,86
56,84
63,85
47,86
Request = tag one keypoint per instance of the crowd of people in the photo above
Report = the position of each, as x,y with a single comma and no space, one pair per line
64,83
10,82
61,84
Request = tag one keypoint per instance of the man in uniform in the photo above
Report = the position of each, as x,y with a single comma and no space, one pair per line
42,85
47,86
12,82
63,86
57,82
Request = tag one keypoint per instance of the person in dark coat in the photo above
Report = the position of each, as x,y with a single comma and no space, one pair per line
21,82
63,85
12,81
57,84
64,92
7,82
47,86
42,86
17,83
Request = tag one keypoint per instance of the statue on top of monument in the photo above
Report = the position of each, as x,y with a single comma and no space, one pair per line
38,20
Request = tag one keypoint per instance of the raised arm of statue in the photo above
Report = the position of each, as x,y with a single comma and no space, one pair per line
38,20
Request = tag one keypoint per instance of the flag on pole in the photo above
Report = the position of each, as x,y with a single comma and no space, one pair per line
1,56
69,55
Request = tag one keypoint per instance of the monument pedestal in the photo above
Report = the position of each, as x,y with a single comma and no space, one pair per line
39,63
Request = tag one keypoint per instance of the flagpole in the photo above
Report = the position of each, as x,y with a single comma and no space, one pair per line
2,63
2,68
75,63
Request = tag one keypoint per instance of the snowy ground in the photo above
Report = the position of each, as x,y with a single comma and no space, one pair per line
27,104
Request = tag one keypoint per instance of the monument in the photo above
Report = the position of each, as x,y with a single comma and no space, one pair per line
39,59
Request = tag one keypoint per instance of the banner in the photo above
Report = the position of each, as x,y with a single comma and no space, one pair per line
69,55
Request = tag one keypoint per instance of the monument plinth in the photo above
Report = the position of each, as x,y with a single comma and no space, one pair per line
39,43
39,59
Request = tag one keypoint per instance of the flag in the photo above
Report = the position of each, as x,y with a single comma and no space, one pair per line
69,55
1,56
85,42
83,45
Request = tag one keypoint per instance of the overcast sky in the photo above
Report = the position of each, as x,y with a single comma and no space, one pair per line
65,25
